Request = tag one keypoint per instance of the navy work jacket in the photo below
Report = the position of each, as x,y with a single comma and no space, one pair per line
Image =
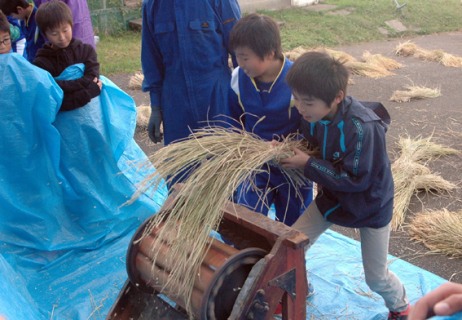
184,55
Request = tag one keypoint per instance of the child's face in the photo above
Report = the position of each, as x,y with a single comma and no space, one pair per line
252,65
313,109
5,46
60,37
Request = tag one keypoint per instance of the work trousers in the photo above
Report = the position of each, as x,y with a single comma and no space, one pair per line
374,251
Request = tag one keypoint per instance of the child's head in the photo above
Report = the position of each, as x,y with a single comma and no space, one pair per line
15,8
54,20
255,38
5,41
319,84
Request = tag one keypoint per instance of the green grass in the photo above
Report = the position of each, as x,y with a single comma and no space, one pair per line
120,53
307,28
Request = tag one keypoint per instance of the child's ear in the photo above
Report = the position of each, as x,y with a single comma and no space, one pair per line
339,97
270,56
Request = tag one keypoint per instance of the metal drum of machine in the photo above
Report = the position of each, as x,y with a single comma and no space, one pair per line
236,284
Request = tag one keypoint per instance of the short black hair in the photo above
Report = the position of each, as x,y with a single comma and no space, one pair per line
259,33
318,75
11,6
4,24
52,14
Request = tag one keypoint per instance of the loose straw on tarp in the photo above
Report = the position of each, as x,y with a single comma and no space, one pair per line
411,175
223,158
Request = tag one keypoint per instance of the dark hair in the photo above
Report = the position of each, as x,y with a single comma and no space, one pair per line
4,24
318,75
11,6
52,14
259,33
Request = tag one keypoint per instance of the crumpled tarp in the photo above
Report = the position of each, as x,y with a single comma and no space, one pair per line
63,238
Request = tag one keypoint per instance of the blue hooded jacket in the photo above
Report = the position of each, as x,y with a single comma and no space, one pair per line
355,170
184,55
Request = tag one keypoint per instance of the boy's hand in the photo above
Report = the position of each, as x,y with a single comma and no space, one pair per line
154,124
298,161
274,143
99,83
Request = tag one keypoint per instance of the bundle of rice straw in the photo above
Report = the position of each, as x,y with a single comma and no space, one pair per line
439,231
223,158
415,93
295,53
439,56
406,49
411,175
142,118
381,61
136,81
367,70
343,56
446,59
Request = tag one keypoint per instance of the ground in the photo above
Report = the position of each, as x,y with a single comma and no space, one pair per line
440,117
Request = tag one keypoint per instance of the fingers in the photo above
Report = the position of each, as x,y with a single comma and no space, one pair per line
273,143
100,84
445,300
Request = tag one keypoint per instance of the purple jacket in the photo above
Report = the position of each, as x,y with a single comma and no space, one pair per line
82,21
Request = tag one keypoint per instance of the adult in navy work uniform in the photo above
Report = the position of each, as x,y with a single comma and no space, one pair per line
184,55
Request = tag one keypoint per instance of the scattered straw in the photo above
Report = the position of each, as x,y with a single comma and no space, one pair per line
136,81
367,70
343,56
411,175
415,93
406,49
446,59
440,56
381,61
142,118
223,158
295,53
439,231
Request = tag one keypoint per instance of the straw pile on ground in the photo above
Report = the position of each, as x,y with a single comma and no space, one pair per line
415,93
136,81
439,231
223,158
367,70
406,49
142,117
411,175
381,61
409,49
295,53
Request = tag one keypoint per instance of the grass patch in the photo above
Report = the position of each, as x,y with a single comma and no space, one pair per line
121,53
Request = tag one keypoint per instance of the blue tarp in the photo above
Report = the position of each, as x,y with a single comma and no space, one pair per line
64,234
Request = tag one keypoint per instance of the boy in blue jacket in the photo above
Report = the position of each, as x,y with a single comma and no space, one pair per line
262,101
354,174
25,12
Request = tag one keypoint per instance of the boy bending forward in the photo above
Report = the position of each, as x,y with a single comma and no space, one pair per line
354,172
54,19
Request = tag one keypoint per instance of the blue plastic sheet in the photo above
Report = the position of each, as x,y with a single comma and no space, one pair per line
63,234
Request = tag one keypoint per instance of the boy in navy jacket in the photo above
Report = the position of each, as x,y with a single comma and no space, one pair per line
261,100
354,174
25,12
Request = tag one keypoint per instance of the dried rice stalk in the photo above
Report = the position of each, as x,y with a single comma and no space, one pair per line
136,81
446,59
295,53
343,56
410,174
440,56
381,61
415,93
367,70
406,49
142,118
439,231
223,158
